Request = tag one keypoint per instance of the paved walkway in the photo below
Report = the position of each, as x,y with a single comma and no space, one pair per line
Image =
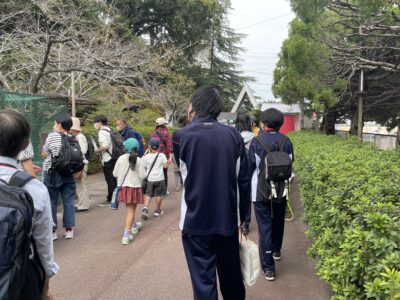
94,265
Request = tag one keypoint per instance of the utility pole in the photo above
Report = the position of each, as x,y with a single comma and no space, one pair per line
73,100
360,106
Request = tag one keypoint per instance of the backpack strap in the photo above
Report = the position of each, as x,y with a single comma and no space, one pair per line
282,143
20,178
266,147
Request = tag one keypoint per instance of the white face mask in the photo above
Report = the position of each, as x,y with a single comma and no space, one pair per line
95,126
119,128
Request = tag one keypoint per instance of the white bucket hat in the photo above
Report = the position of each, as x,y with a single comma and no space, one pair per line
76,124
161,121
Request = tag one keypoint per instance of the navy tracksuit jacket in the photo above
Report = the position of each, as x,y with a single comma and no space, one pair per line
270,229
216,197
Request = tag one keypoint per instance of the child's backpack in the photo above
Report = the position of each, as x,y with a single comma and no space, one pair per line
140,139
69,159
117,142
273,181
18,254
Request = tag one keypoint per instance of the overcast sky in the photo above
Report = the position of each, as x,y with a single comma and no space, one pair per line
264,40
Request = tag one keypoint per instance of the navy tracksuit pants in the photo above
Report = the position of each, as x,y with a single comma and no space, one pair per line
270,231
207,254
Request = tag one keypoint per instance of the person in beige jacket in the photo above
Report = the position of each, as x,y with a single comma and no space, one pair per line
81,177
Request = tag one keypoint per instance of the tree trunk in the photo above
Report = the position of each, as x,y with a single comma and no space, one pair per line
328,122
398,130
354,120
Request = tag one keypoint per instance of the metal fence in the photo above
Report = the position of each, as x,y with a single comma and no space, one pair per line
381,141
40,111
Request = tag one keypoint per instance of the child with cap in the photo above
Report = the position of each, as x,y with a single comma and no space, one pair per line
154,163
129,171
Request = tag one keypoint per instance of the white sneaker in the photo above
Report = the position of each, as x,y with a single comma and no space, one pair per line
136,228
69,235
127,240
55,237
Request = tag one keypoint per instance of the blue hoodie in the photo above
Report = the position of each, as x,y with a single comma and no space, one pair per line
213,162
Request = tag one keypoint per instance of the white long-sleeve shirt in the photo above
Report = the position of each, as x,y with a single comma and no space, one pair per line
134,177
105,141
84,146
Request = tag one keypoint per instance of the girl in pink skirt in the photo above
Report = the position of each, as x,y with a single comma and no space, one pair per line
129,171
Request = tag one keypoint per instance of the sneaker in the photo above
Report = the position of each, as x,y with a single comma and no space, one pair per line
145,213
69,234
127,239
269,275
55,237
167,194
104,204
277,255
136,228
158,212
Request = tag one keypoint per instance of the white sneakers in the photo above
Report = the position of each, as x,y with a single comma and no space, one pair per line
55,237
69,235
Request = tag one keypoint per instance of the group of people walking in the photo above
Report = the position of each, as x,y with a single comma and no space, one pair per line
219,167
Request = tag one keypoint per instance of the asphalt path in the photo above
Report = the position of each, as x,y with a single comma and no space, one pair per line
95,265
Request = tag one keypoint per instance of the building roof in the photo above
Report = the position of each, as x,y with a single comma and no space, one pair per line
227,116
284,108
246,91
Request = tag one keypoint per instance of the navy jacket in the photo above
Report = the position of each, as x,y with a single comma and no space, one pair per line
214,166
257,155
128,132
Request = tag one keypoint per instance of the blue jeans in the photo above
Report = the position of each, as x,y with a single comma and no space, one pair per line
65,185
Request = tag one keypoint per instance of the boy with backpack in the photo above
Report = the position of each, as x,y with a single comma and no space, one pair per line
25,211
110,148
63,158
270,158
154,184
81,177
128,132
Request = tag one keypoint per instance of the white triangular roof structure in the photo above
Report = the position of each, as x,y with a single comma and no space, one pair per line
246,91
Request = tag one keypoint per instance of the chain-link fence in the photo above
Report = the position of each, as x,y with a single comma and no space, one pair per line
41,112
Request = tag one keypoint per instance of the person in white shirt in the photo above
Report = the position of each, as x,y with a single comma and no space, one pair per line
129,171
154,163
105,148
81,177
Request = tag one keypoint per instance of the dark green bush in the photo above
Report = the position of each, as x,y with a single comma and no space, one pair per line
350,192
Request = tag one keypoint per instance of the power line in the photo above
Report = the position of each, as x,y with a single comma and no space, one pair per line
265,21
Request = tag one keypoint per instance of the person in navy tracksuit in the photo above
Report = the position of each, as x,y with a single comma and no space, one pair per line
215,199
270,223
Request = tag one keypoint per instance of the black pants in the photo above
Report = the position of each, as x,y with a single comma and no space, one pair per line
166,178
207,254
32,288
108,169
270,231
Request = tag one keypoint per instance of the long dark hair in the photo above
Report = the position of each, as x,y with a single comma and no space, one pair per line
133,158
243,122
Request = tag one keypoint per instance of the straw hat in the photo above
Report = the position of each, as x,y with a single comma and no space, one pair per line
76,124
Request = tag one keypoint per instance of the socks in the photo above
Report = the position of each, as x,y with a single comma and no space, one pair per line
68,229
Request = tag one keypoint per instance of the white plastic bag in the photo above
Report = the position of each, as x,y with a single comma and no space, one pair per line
250,261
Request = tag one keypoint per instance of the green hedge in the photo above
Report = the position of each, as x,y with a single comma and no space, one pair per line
88,130
351,195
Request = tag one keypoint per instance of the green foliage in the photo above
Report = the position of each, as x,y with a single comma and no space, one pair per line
350,191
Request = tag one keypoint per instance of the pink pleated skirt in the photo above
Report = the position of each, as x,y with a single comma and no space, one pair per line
130,195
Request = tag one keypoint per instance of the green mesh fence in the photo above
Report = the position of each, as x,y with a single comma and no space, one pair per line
39,110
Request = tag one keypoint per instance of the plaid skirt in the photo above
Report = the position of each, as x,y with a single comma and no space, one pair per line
130,195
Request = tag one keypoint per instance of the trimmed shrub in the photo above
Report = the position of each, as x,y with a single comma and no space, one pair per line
351,195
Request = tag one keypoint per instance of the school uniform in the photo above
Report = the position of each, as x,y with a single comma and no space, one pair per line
216,196
270,218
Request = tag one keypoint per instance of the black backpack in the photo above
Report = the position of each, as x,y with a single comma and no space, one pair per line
274,179
69,159
90,152
18,256
117,142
